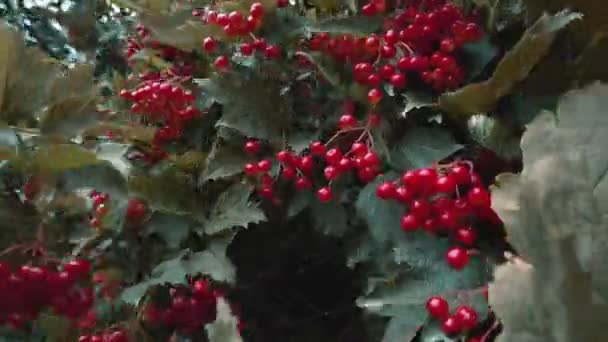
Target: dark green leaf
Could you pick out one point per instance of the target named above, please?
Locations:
(225, 160)
(233, 209)
(329, 218)
(422, 146)
(477, 56)
(173, 229)
(494, 135)
(382, 217)
(358, 24)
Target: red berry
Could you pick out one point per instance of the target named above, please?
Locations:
(260, 44)
(447, 45)
(387, 71)
(374, 96)
(256, 10)
(251, 169)
(282, 3)
(421, 209)
(306, 164)
(449, 219)
(457, 257)
(466, 235)
(403, 194)
(246, 49)
(374, 80)
(386, 190)
(398, 80)
(460, 174)
(117, 336)
(284, 157)
(451, 326)
(272, 52)
(426, 179)
(467, 317)
(317, 148)
(77, 268)
(371, 159)
(333, 156)
(331, 173)
(324, 194)
(303, 184)
(438, 307)
(209, 44)
(266, 192)
(95, 222)
(347, 121)
(373, 120)
(221, 62)
(289, 173)
(345, 164)
(409, 223)
(359, 149)
(367, 174)
(136, 209)
(265, 165)
(430, 225)
(479, 198)
(369, 9)
(445, 184)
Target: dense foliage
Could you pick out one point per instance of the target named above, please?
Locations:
(282, 170)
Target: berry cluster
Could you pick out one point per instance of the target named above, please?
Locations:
(24, 293)
(421, 41)
(445, 201)
(299, 169)
(135, 213)
(234, 24)
(464, 318)
(114, 335)
(191, 308)
(165, 103)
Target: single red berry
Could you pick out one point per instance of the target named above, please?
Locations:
(461, 174)
(96, 338)
(317, 148)
(284, 157)
(374, 80)
(306, 164)
(371, 159)
(272, 52)
(222, 19)
(266, 192)
(77, 268)
(451, 326)
(369, 9)
(265, 165)
(409, 223)
(386, 190)
(359, 149)
(457, 257)
(333, 156)
(479, 197)
(303, 183)
(387, 71)
(84, 338)
(466, 235)
(252, 147)
(324, 194)
(447, 45)
(260, 44)
(251, 169)
(95, 222)
(445, 184)
(221, 62)
(367, 174)
(256, 10)
(347, 121)
(374, 96)
(102, 210)
(246, 49)
(403, 194)
(282, 3)
(421, 209)
(426, 179)
(209, 44)
(430, 225)
(117, 336)
(331, 172)
(467, 317)
(398, 80)
(136, 209)
(289, 173)
(449, 219)
(438, 307)
(345, 164)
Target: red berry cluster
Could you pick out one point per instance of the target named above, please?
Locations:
(235, 24)
(113, 335)
(464, 318)
(165, 103)
(191, 308)
(299, 168)
(420, 41)
(24, 293)
(444, 201)
(135, 213)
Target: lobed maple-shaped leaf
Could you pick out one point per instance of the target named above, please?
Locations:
(225, 326)
(212, 261)
(173, 229)
(422, 146)
(233, 209)
(555, 213)
(226, 159)
(514, 67)
(252, 105)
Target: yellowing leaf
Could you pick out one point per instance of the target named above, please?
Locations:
(514, 67)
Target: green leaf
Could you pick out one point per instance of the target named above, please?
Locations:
(555, 213)
(329, 218)
(477, 56)
(300, 140)
(432, 332)
(173, 229)
(224, 328)
(325, 66)
(495, 136)
(225, 160)
(357, 24)
(422, 146)
(251, 106)
(514, 67)
(165, 188)
(382, 217)
(65, 157)
(233, 209)
(212, 261)
(416, 100)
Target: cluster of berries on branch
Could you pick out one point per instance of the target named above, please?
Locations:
(135, 213)
(464, 317)
(28, 290)
(189, 310)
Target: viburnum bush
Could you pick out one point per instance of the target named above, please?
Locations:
(279, 170)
